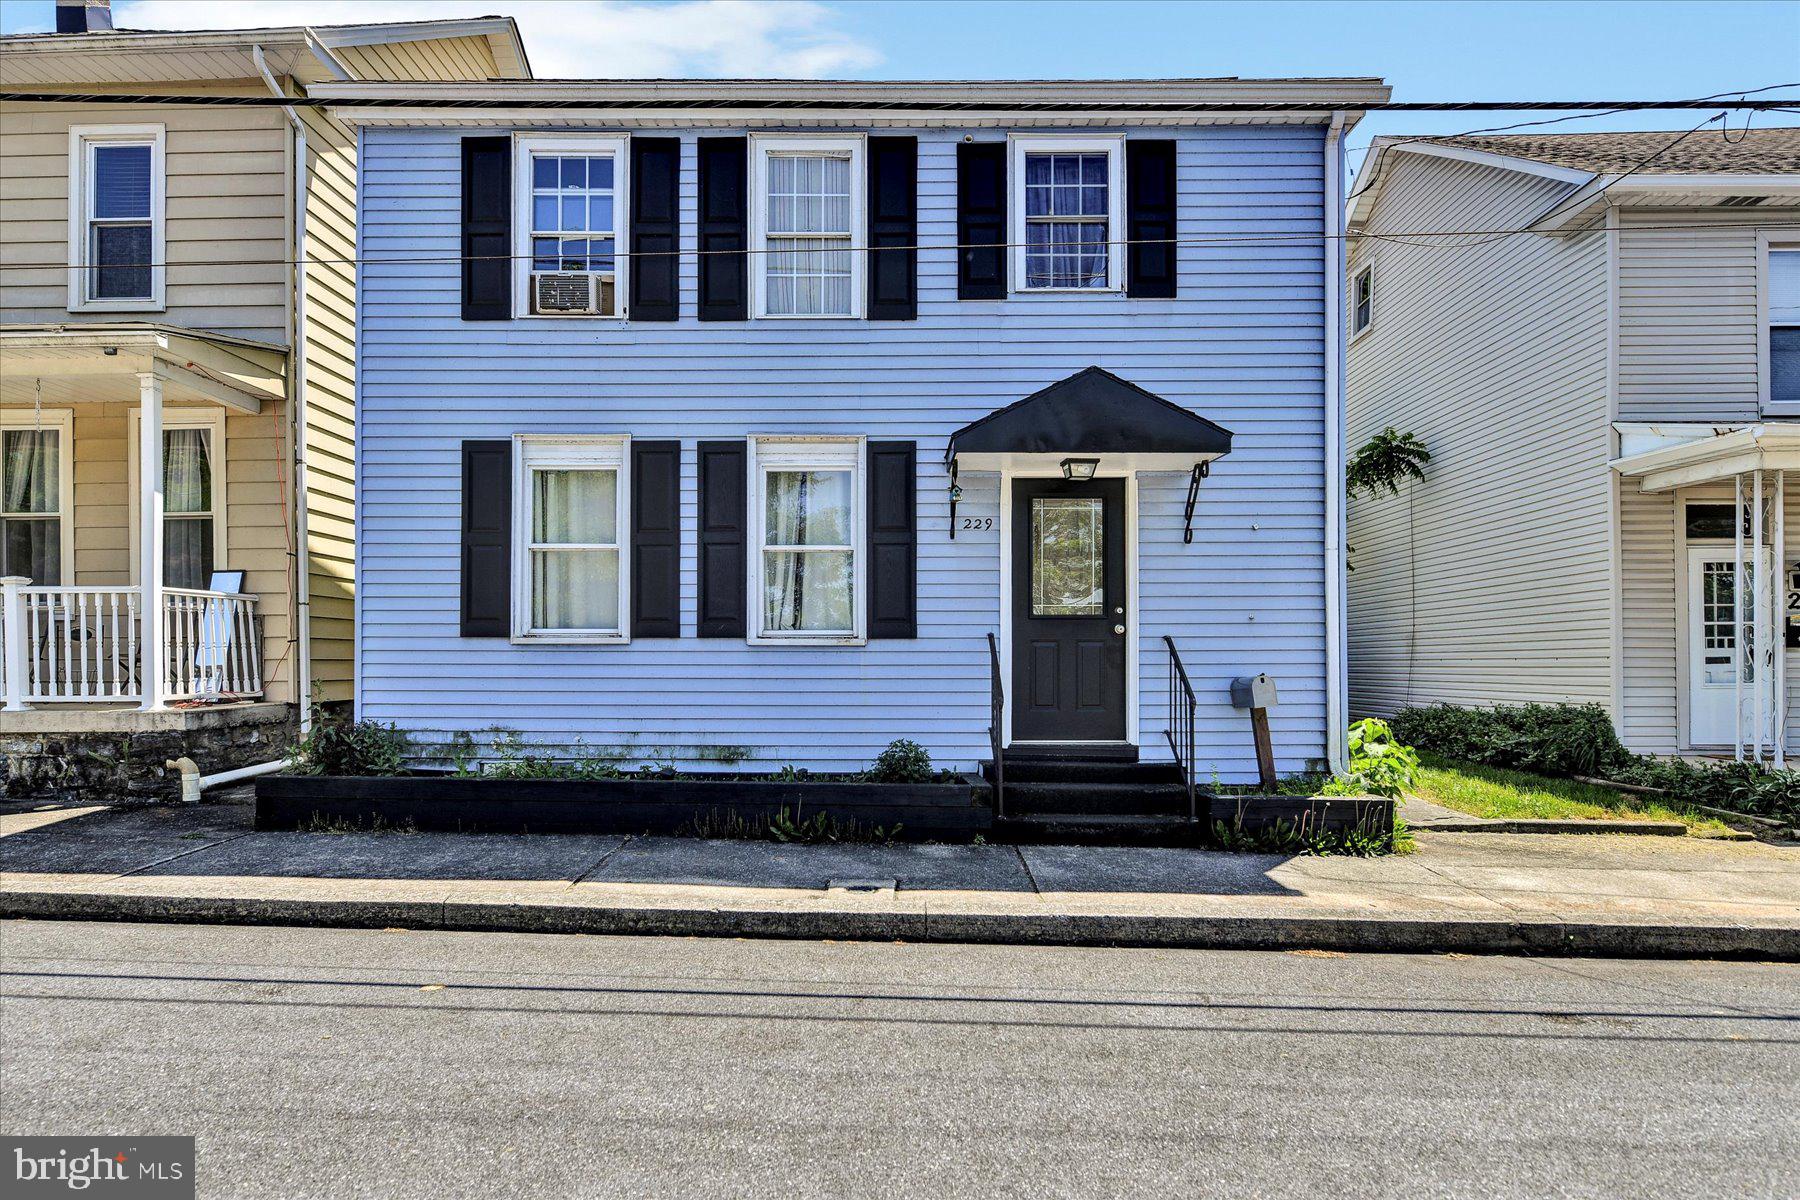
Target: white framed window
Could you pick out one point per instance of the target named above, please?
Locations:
(807, 205)
(806, 567)
(37, 527)
(1362, 300)
(569, 216)
(116, 183)
(193, 465)
(1782, 332)
(571, 561)
(1067, 213)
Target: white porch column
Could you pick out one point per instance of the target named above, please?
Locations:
(1779, 598)
(12, 619)
(150, 540)
(1759, 609)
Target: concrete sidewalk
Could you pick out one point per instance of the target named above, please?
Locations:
(1487, 892)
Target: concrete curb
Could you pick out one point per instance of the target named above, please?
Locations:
(1412, 935)
(1552, 825)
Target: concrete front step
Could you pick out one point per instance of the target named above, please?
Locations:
(1113, 799)
(1069, 770)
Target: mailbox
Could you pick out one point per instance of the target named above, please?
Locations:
(1253, 691)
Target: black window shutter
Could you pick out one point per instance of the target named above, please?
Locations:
(723, 538)
(981, 220)
(487, 229)
(655, 539)
(893, 228)
(487, 539)
(1150, 217)
(724, 228)
(655, 229)
(893, 540)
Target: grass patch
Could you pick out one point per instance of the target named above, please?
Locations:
(1502, 794)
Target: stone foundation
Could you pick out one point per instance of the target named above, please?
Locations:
(114, 755)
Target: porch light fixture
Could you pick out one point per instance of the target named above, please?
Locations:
(1079, 468)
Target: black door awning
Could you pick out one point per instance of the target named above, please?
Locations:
(1092, 412)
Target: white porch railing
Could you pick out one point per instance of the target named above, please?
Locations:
(83, 645)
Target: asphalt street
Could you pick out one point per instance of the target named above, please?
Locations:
(397, 1064)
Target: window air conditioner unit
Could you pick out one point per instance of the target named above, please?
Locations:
(573, 292)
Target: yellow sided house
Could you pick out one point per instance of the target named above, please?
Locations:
(177, 388)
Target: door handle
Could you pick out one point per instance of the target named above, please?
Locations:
(1118, 629)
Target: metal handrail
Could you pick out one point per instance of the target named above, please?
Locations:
(1183, 707)
(996, 715)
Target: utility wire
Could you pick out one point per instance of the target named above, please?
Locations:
(1238, 239)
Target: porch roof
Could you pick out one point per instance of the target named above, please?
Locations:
(1095, 413)
(64, 364)
(1769, 446)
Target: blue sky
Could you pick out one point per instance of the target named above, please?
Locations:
(1427, 51)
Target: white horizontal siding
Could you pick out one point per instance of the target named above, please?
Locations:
(1489, 581)
(1242, 345)
(1689, 319)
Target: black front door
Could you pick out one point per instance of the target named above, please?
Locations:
(1068, 586)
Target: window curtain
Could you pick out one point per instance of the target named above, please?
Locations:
(575, 588)
(807, 590)
(30, 470)
(187, 508)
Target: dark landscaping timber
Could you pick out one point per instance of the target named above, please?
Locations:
(1371, 814)
(923, 811)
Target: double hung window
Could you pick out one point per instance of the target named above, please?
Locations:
(570, 222)
(1784, 326)
(116, 217)
(1067, 213)
(807, 501)
(570, 569)
(34, 498)
(807, 205)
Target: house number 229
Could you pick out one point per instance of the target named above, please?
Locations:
(978, 522)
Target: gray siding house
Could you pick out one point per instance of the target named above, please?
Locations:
(764, 423)
(1598, 338)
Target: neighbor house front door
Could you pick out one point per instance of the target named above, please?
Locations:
(1712, 635)
(1069, 619)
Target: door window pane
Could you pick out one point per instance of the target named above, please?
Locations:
(1719, 628)
(1068, 569)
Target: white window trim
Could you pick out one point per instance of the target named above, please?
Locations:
(81, 139)
(524, 146)
(789, 452)
(62, 420)
(1769, 242)
(1367, 269)
(181, 418)
(1114, 149)
(595, 451)
(761, 147)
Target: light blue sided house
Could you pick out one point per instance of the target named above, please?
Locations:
(748, 424)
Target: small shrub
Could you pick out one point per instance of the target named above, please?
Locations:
(336, 745)
(1379, 764)
(1551, 739)
(903, 761)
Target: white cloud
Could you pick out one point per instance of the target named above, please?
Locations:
(580, 38)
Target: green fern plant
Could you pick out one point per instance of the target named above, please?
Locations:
(1386, 460)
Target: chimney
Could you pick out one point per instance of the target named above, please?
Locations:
(84, 16)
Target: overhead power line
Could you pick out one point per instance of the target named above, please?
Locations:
(1222, 239)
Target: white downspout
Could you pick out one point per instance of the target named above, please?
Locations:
(1336, 669)
(303, 559)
